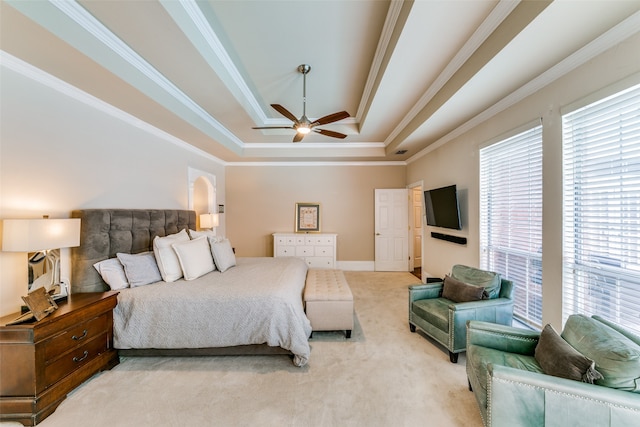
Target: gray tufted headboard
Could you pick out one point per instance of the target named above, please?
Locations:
(104, 232)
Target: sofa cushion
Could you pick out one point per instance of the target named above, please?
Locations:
(489, 280)
(458, 291)
(434, 311)
(479, 357)
(558, 358)
(617, 357)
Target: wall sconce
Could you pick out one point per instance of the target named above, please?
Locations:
(209, 220)
(44, 237)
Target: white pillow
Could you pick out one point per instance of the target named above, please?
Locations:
(195, 257)
(166, 258)
(112, 273)
(140, 269)
(223, 255)
(208, 233)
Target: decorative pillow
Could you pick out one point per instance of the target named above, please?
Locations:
(166, 258)
(223, 254)
(195, 257)
(458, 291)
(616, 356)
(556, 357)
(112, 273)
(140, 269)
(207, 233)
(489, 280)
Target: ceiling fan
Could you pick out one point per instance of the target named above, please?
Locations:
(303, 125)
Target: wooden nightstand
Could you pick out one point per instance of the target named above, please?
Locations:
(40, 362)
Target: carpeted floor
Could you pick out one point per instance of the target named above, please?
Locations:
(384, 376)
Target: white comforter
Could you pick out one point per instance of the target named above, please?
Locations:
(257, 301)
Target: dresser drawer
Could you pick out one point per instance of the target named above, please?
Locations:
(286, 251)
(302, 251)
(323, 251)
(320, 240)
(75, 358)
(75, 336)
(320, 262)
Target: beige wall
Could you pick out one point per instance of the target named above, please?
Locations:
(261, 201)
(457, 163)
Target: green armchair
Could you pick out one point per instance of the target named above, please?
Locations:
(445, 320)
(512, 390)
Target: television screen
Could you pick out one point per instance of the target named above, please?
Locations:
(441, 207)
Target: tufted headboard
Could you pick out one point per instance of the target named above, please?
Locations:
(104, 232)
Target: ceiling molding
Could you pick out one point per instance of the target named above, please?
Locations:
(195, 25)
(28, 71)
(611, 38)
(133, 68)
(308, 164)
(488, 26)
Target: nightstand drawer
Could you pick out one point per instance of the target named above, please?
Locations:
(75, 358)
(75, 336)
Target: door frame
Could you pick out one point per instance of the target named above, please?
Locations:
(410, 187)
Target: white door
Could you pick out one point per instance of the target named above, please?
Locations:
(391, 230)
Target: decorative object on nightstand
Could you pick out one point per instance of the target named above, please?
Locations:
(41, 362)
(42, 238)
(209, 220)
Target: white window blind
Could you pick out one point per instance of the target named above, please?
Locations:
(601, 265)
(511, 218)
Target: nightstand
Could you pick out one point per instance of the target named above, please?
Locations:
(40, 362)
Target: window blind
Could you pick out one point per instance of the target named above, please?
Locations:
(601, 161)
(511, 218)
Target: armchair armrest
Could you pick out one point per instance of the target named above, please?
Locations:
(501, 337)
(481, 304)
(520, 397)
(424, 291)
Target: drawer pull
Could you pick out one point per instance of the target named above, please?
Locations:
(78, 338)
(80, 359)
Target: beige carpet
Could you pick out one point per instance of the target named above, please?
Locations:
(386, 376)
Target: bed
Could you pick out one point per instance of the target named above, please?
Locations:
(254, 307)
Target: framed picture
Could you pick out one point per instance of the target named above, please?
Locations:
(307, 217)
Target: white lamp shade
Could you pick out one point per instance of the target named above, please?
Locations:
(33, 235)
(209, 220)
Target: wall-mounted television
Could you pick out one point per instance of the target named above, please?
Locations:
(441, 207)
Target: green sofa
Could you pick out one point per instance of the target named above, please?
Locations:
(512, 389)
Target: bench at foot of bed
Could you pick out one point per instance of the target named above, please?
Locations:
(328, 301)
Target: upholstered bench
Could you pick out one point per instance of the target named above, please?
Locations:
(328, 301)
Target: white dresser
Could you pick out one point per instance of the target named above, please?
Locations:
(318, 250)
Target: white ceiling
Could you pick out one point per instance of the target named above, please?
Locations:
(412, 75)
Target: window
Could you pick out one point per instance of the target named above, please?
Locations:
(601, 262)
(511, 218)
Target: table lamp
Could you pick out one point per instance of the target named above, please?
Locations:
(209, 220)
(44, 237)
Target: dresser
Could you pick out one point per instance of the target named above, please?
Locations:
(318, 250)
(40, 362)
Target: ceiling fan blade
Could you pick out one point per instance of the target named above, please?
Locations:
(280, 109)
(331, 118)
(274, 127)
(298, 137)
(330, 133)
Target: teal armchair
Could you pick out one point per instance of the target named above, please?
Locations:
(512, 390)
(445, 320)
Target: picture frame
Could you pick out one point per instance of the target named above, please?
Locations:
(307, 217)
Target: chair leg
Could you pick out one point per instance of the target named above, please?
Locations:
(469, 382)
(412, 328)
(453, 357)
